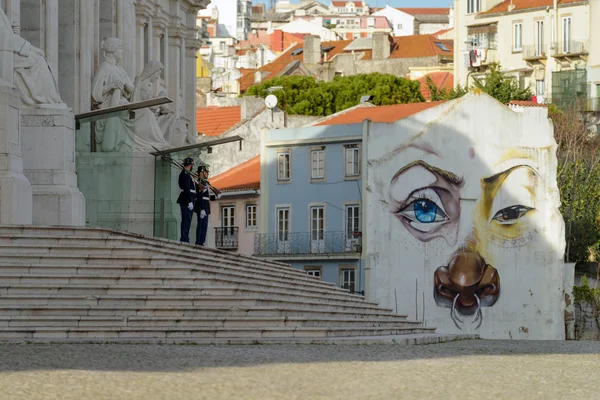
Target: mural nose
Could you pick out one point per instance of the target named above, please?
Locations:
(467, 283)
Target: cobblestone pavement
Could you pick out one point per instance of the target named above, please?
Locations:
(472, 369)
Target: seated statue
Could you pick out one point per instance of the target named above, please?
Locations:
(112, 87)
(174, 129)
(32, 74)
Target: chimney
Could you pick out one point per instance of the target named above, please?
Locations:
(312, 49)
(381, 46)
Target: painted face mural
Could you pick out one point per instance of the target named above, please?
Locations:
(468, 234)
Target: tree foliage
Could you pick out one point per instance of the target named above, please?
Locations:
(302, 95)
(578, 175)
(587, 303)
(495, 83)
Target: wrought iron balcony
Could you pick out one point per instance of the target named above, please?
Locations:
(305, 243)
(569, 48)
(226, 238)
(534, 52)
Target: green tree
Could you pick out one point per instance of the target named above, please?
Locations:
(495, 83)
(303, 95)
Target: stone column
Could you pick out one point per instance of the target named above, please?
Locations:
(174, 85)
(126, 31)
(192, 48)
(144, 51)
(39, 25)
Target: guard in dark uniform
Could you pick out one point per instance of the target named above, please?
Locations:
(202, 205)
(186, 199)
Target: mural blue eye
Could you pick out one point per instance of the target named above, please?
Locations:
(510, 215)
(424, 211)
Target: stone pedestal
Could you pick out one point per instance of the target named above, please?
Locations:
(48, 148)
(15, 190)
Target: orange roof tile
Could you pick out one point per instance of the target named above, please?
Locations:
(388, 114)
(245, 176)
(525, 103)
(525, 4)
(425, 11)
(357, 3)
(443, 80)
(415, 46)
(213, 120)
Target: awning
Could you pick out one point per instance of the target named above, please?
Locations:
(482, 28)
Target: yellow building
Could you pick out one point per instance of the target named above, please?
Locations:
(202, 68)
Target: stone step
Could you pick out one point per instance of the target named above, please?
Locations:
(178, 322)
(213, 332)
(95, 235)
(200, 273)
(146, 286)
(187, 300)
(29, 257)
(324, 312)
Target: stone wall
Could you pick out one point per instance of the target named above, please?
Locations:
(347, 65)
(461, 221)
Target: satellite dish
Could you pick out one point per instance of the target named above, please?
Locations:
(271, 101)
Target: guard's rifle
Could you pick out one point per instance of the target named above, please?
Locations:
(195, 177)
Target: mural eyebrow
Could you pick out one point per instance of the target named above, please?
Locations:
(495, 177)
(449, 176)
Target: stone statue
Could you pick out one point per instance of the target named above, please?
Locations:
(112, 87)
(174, 129)
(33, 75)
(6, 51)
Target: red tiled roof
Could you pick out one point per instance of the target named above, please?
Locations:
(442, 32)
(525, 103)
(213, 120)
(357, 3)
(525, 4)
(443, 80)
(425, 11)
(388, 114)
(245, 176)
(415, 46)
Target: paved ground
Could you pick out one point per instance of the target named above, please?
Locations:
(472, 369)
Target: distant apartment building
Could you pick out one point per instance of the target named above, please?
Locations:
(543, 44)
(233, 17)
(358, 7)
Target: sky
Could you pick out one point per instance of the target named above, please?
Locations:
(395, 3)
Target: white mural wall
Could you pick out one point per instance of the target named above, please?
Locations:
(462, 222)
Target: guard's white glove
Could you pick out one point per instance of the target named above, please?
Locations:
(218, 196)
(202, 214)
(191, 206)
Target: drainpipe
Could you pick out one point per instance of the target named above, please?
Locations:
(556, 25)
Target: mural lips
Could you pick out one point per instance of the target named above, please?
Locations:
(466, 284)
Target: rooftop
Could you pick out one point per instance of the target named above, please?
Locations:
(393, 113)
(214, 120)
(425, 10)
(443, 80)
(245, 176)
(520, 5)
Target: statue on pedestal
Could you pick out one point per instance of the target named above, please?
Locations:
(112, 87)
(32, 74)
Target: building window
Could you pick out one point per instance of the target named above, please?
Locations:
(283, 224)
(227, 216)
(566, 35)
(473, 6)
(251, 215)
(518, 37)
(399, 26)
(352, 161)
(352, 220)
(317, 164)
(313, 271)
(540, 88)
(539, 39)
(317, 222)
(222, 46)
(283, 166)
(348, 279)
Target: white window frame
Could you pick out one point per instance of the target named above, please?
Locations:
(251, 216)
(317, 227)
(473, 6)
(540, 88)
(539, 38)
(566, 34)
(282, 236)
(517, 36)
(227, 216)
(285, 174)
(312, 270)
(317, 164)
(343, 278)
(355, 151)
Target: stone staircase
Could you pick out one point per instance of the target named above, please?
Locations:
(94, 284)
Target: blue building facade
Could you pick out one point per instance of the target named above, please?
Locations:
(311, 202)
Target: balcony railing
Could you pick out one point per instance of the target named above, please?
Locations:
(534, 52)
(569, 48)
(226, 238)
(305, 243)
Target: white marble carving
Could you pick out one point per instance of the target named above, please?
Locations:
(174, 129)
(33, 75)
(112, 87)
